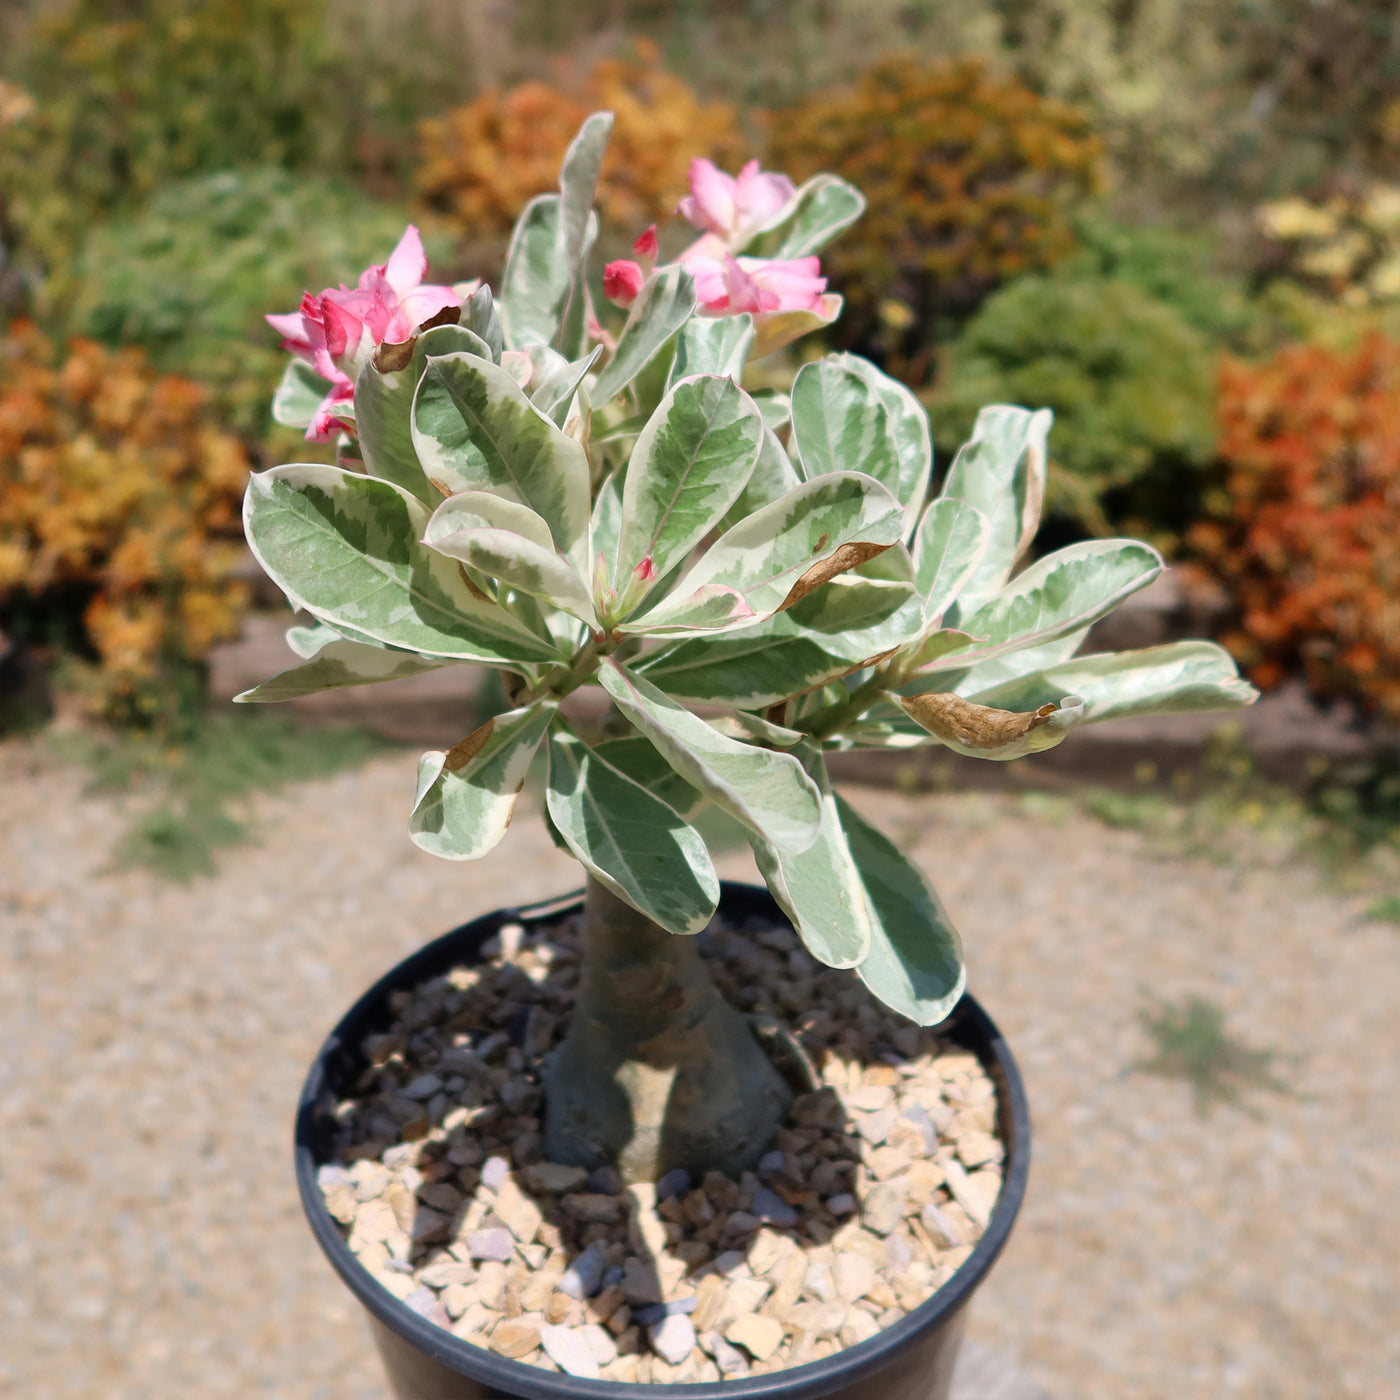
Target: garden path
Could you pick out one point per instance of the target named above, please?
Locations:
(151, 1245)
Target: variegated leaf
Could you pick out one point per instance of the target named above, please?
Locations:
(786, 550)
(520, 563)
(475, 429)
(712, 345)
(840, 424)
(577, 182)
(948, 547)
(915, 963)
(832, 632)
(466, 796)
(536, 278)
(773, 477)
(298, 395)
(768, 792)
(824, 207)
(384, 409)
(638, 759)
(628, 839)
(690, 463)
(820, 890)
(336, 664)
(345, 547)
(909, 428)
(665, 304)
(1178, 678)
(1001, 471)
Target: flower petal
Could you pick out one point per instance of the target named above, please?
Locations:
(408, 263)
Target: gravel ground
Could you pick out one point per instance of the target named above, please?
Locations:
(151, 1243)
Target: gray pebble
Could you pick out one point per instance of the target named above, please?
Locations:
(613, 1277)
(494, 1172)
(843, 1204)
(772, 1162)
(741, 1223)
(604, 1182)
(917, 1114)
(656, 1312)
(584, 1277)
(673, 1183)
(424, 1087)
(770, 1206)
(673, 1339)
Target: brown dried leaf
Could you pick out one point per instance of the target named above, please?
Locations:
(448, 316)
(479, 594)
(389, 359)
(848, 556)
(951, 717)
(461, 754)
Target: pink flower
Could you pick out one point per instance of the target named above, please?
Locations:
(622, 281)
(729, 285)
(339, 329)
(732, 207)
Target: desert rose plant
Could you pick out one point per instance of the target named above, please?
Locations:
(754, 580)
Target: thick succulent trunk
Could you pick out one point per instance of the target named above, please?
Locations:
(658, 1071)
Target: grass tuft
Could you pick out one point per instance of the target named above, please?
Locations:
(1192, 1044)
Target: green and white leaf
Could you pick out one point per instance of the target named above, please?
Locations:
(1009, 665)
(1001, 471)
(909, 426)
(768, 792)
(638, 759)
(474, 429)
(840, 424)
(1178, 678)
(346, 548)
(764, 556)
(830, 633)
(461, 812)
(630, 840)
(664, 305)
(1064, 592)
(951, 540)
(820, 890)
(384, 409)
(521, 563)
(554, 388)
(339, 663)
(712, 345)
(578, 181)
(299, 395)
(307, 641)
(484, 510)
(710, 608)
(774, 477)
(690, 463)
(536, 279)
(915, 963)
(479, 317)
(824, 207)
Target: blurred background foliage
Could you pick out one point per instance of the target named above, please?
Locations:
(1175, 222)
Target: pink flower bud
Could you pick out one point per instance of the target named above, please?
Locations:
(622, 280)
(645, 572)
(646, 248)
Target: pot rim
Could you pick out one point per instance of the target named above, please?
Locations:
(847, 1367)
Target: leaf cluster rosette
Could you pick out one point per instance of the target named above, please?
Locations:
(754, 579)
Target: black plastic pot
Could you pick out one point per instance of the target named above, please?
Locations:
(911, 1360)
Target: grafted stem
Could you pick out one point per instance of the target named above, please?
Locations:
(658, 1070)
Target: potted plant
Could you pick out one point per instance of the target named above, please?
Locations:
(546, 1152)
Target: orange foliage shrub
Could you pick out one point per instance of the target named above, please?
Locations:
(971, 179)
(117, 494)
(1310, 546)
(485, 161)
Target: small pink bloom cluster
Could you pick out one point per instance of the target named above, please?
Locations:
(339, 329)
(730, 210)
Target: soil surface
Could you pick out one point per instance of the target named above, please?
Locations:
(151, 1244)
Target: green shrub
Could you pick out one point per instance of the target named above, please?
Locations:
(127, 97)
(190, 277)
(1129, 379)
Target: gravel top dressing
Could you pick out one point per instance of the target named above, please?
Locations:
(873, 1193)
